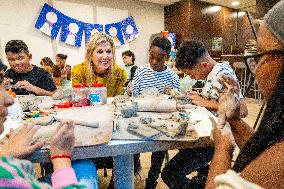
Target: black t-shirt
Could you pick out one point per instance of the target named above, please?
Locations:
(37, 77)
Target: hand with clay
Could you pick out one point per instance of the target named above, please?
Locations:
(229, 102)
(197, 99)
(25, 85)
(19, 144)
(130, 88)
(222, 141)
(63, 139)
(61, 145)
(7, 83)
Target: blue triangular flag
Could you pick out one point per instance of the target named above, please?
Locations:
(49, 21)
(129, 29)
(114, 30)
(72, 31)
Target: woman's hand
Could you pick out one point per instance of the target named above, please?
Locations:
(19, 144)
(222, 140)
(229, 102)
(63, 139)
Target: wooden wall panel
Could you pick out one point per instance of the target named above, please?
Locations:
(263, 6)
(188, 20)
(177, 19)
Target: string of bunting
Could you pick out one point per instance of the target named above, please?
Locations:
(51, 20)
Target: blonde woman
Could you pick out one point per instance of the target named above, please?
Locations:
(99, 66)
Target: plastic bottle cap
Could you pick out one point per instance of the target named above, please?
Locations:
(79, 85)
(98, 85)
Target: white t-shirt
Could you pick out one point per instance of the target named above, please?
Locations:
(209, 90)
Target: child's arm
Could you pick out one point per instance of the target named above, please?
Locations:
(136, 82)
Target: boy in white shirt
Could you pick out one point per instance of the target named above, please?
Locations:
(194, 60)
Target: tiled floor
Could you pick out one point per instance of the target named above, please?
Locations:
(253, 108)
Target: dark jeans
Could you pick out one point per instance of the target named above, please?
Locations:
(157, 160)
(186, 161)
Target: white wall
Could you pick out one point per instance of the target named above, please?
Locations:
(17, 19)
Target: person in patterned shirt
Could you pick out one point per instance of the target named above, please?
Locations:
(100, 67)
(194, 60)
(15, 172)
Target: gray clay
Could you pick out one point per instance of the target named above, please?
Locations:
(129, 111)
(146, 120)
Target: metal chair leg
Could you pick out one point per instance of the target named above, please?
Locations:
(258, 116)
(167, 157)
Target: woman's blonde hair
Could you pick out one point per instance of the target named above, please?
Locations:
(95, 40)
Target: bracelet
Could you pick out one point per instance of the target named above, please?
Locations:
(61, 156)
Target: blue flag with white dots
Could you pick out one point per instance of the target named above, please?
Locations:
(49, 21)
(90, 29)
(114, 30)
(72, 31)
(129, 29)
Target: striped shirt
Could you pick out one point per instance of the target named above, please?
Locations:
(15, 173)
(146, 78)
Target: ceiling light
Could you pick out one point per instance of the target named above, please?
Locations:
(235, 3)
(211, 9)
(238, 14)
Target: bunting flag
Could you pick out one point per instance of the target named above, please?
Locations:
(49, 21)
(129, 29)
(72, 31)
(114, 30)
(90, 29)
